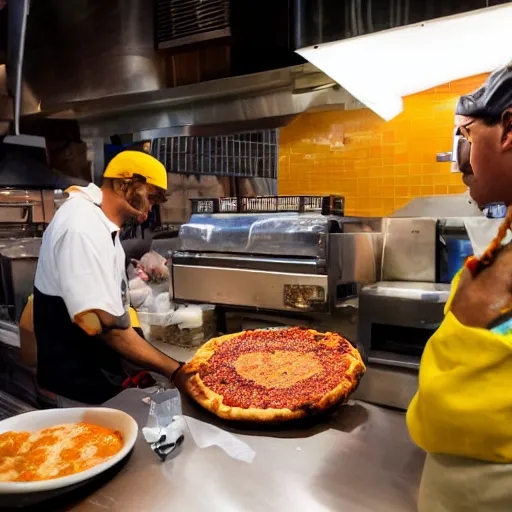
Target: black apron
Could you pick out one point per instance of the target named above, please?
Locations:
(69, 362)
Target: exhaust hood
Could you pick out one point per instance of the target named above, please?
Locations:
(379, 69)
(97, 64)
(263, 100)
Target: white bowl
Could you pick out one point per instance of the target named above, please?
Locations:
(36, 420)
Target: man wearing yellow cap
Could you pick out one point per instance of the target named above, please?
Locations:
(80, 307)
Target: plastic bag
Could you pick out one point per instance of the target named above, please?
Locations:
(165, 426)
(154, 266)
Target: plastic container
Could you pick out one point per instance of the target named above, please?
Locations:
(176, 329)
(459, 250)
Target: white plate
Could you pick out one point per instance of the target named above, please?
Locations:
(36, 420)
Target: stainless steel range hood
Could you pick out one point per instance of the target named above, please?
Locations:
(97, 64)
(263, 100)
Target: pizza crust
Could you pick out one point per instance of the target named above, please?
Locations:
(213, 401)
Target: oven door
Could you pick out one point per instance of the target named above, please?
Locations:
(258, 282)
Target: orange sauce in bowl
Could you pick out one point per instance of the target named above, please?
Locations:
(55, 452)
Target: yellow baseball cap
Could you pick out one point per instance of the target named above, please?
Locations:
(129, 163)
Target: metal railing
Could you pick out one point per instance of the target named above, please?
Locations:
(247, 154)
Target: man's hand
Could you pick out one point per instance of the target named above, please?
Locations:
(136, 349)
(480, 300)
(179, 378)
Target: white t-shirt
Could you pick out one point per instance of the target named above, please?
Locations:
(81, 258)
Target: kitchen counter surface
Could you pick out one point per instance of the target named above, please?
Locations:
(359, 460)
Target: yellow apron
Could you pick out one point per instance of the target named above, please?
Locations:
(463, 406)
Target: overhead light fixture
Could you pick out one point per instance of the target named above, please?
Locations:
(380, 69)
(33, 141)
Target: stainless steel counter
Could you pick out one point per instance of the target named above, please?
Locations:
(359, 460)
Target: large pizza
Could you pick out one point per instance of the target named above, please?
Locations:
(273, 375)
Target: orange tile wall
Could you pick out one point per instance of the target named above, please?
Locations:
(378, 166)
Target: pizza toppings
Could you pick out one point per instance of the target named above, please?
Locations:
(280, 369)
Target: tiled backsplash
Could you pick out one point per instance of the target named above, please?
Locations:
(378, 166)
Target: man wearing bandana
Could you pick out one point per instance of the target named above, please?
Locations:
(462, 413)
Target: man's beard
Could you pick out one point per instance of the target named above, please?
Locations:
(137, 198)
(139, 201)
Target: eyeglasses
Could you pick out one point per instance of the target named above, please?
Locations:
(464, 131)
(462, 148)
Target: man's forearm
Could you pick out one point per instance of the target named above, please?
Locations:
(131, 346)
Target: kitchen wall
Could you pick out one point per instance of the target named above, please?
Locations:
(378, 166)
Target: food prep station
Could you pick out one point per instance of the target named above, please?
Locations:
(376, 281)
(123, 76)
(359, 459)
(380, 282)
(318, 269)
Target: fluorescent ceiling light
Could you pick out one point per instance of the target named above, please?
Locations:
(379, 69)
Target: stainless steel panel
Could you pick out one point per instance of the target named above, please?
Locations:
(456, 205)
(18, 263)
(247, 262)
(342, 320)
(359, 460)
(355, 257)
(399, 306)
(27, 206)
(391, 387)
(28, 203)
(259, 101)
(280, 234)
(402, 310)
(14, 214)
(95, 49)
(165, 246)
(394, 360)
(427, 292)
(239, 287)
(21, 273)
(409, 252)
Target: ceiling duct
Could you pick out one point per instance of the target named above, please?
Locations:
(80, 51)
(183, 22)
